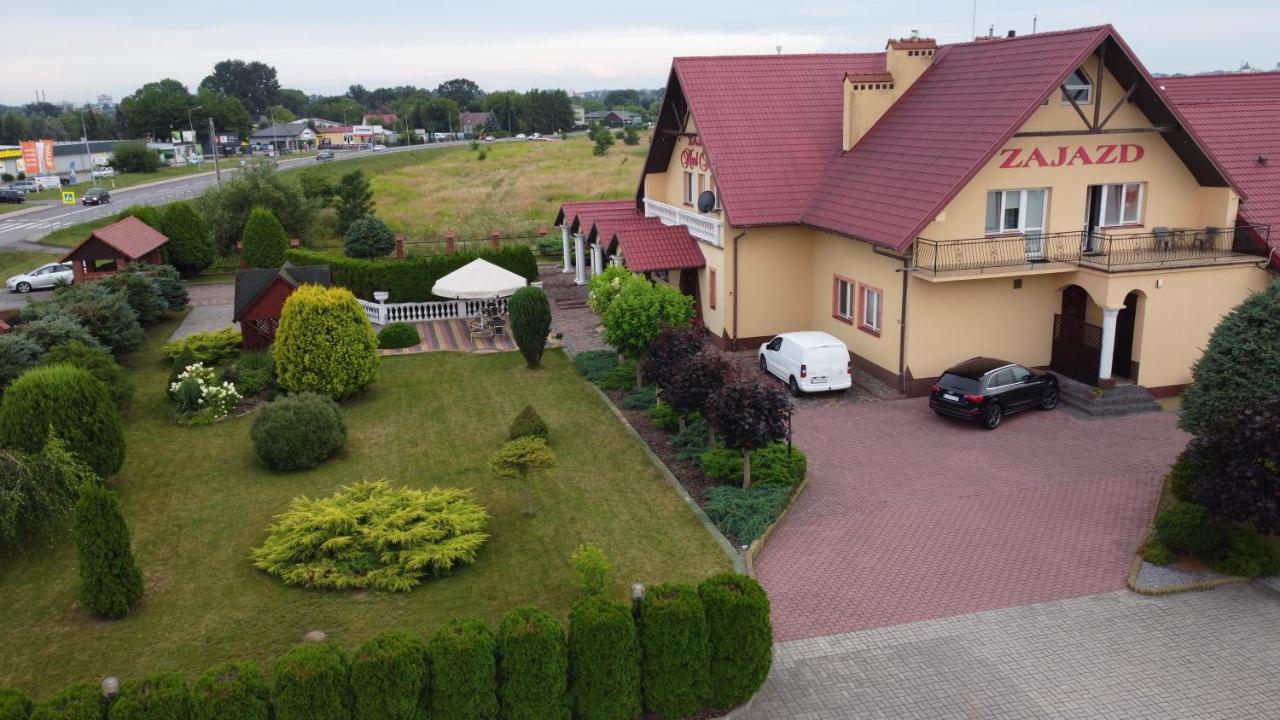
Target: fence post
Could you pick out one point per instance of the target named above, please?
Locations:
(495, 240)
(448, 243)
(399, 247)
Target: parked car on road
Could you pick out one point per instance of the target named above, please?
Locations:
(104, 171)
(96, 196)
(520, 136)
(379, 147)
(26, 186)
(810, 361)
(985, 390)
(8, 195)
(324, 155)
(45, 276)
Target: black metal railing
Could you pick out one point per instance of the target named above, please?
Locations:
(1173, 246)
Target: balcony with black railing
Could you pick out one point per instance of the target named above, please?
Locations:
(1112, 252)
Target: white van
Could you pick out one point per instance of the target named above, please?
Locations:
(809, 361)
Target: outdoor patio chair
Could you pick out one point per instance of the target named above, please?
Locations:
(497, 323)
(1164, 239)
(1205, 239)
(479, 327)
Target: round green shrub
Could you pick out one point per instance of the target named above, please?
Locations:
(604, 661)
(664, 417)
(105, 314)
(674, 650)
(75, 405)
(774, 464)
(14, 705)
(78, 702)
(722, 465)
(231, 690)
(464, 683)
(1184, 474)
(388, 677)
(533, 666)
(18, 353)
(1155, 552)
(98, 363)
(311, 684)
(740, 636)
(161, 696)
(1188, 527)
(253, 374)
(139, 293)
(298, 432)
(325, 344)
(368, 237)
(55, 329)
(527, 424)
(190, 248)
(110, 582)
(398, 335)
(1248, 553)
(264, 240)
(530, 322)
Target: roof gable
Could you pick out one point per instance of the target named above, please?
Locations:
(130, 237)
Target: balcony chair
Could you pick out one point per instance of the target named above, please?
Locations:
(1205, 240)
(1164, 239)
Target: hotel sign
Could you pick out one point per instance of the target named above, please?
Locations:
(1066, 156)
(693, 157)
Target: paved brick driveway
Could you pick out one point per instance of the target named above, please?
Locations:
(908, 516)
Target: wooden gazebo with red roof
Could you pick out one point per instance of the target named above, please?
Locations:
(110, 248)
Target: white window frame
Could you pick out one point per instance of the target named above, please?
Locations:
(1077, 87)
(1022, 212)
(1123, 219)
(844, 298)
(688, 187)
(868, 320)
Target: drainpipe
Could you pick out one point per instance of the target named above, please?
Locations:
(734, 343)
(902, 325)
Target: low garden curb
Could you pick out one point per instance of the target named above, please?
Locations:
(758, 544)
(1206, 584)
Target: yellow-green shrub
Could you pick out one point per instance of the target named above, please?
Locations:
(325, 344)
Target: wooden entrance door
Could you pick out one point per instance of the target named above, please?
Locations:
(689, 286)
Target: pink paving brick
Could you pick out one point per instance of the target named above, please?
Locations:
(909, 516)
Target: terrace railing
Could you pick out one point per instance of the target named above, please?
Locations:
(385, 313)
(705, 227)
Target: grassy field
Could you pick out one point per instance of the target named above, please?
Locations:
(13, 262)
(197, 501)
(516, 189)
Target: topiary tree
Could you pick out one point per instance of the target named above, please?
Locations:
(740, 637)
(325, 344)
(352, 199)
(18, 353)
(161, 696)
(533, 667)
(522, 458)
(98, 363)
(528, 424)
(748, 415)
(55, 328)
(110, 582)
(690, 388)
(639, 312)
(298, 432)
(388, 677)
(603, 288)
(37, 492)
(311, 684)
(604, 661)
(78, 702)
(674, 650)
(190, 248)
(140, 294)
(105, 314)
(670, 351)
(368, 237)
(14, 705)
(591, 567)
(71, 402)
(231, 690)
(1239, 367)
(1237, 465)
(264, 240)
(464, 684)
(530, 323)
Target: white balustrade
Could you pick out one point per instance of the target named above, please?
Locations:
(707, 228)
(385, 313)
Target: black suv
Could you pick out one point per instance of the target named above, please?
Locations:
(12, 196)
(96, 196)
(986, 389)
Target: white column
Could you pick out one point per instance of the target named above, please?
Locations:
(597, 259)
(1108, 341)
(580, 254)
(564, 233)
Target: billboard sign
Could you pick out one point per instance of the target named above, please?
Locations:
(37, 156)
(361, 129)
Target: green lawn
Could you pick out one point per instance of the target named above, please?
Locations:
(123, 180)
(197, 502)
(13, 262)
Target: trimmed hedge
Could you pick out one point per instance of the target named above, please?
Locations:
(78, 702)
(464, 682)
(298, 432)
(388, 677)
(411, 279)
(398, 335)
(740, 632)
(674, 650)
(231, 690)
(162, 696)
(14, 705)
(533, 664)
(527, 424)
(75, 405)
(604, 661)
(311, 684)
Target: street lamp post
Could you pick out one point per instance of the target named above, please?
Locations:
(88, 154)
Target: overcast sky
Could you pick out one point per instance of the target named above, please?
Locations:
(322, 46)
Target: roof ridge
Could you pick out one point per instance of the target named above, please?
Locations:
(872, 53)
(1046, 33)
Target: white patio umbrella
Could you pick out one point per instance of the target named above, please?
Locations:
(478, 280)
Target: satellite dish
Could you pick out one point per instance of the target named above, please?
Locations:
(706, 201)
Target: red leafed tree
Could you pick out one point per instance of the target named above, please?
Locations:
(670, 350)
(748, 415)
(693, 382)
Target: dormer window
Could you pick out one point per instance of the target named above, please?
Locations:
(1077, 87)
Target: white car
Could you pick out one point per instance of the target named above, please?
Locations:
(520, 136)
(45, 276)
(810, 361)
(379, 147)
(104, 171)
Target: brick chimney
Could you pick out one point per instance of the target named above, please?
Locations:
(868, 96)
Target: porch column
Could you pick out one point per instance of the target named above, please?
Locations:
(564, 233)
(580, 256)
(597, 259)
(1108, 341)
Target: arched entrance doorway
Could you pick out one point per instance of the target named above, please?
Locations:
(1122, 364)
(1077, 345)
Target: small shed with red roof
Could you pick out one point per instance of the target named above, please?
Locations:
(108, 249)
(260, 297)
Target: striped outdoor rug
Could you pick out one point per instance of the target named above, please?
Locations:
(454, 335)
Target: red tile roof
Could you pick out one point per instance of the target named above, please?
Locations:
(1238, 117)
(130, 237)
(645, 243)
(913, 44)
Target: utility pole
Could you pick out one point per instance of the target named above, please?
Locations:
(88, 154)
(213, 145)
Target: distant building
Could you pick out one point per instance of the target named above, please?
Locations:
(474, 122)
(380, 119)
(286, 137)
(614, 118)
(579, 116)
